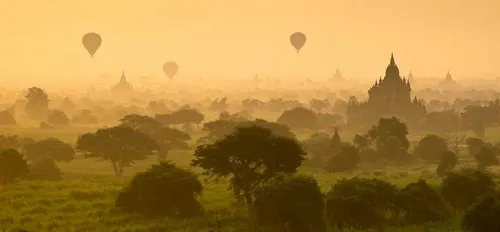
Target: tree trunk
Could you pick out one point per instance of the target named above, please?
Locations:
(248, 200)
(115, 168)
(162, 155)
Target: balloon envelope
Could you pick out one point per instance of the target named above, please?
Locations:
(298, 39)
(91, 41)
(170, 69)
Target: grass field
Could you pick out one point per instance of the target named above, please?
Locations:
(84, 199)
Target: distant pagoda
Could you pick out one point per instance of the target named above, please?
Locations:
(448, 82)
(390, 96)
(123, 86)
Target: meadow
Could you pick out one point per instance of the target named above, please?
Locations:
(84, 199)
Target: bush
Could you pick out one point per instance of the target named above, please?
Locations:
(290, 201)
(485, 157)
(361, 202)
(447, 163)
(483, 216)
(12, 166)
(58, 118)
(463, 188)
(49, 148)
(430, 148)
(6, 119)
(163, 189)
(422, 203)
(45, 169)
(345, 160)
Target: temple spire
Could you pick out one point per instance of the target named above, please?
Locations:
(392, 59)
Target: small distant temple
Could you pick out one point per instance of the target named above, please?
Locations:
(389, 96)
(122, 87)
(411, 79)
(448, 82)
(337, 76)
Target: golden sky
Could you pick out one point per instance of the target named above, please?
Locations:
(41, 40)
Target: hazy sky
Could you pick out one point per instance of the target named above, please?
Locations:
(237, 38)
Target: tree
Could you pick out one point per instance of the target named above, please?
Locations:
(474, 145)
(58, 118)
(346, 159)
(298, 118)
(361, 142)
(45, 169)
(443, 122)
(447, 163)
(422, 203)
(119, 145)
(84, 117)
(37, 106)
(182, 116)
(163, 189)
(12, 166)
(478, 128)
(49, 148)
(7, 119)
(290, 203)
(387, 127)
(464, 187)
(483, 216)
(430, 148)
(167, 138)
(317, 145)
(249, 156)
(319, 105)
(485, 157)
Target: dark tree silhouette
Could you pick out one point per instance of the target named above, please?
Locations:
(49, 148)
(182, 116)
(298, 118)
(119, 145)
(7, 119)
(12, 166)
(37, 106)
(431, 147)
(387, 127)
(346, 159)
(58, 118)
(249, 156)
(447, 163)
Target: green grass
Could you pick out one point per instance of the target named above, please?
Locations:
(84, 199)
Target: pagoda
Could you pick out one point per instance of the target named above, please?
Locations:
(123, 86)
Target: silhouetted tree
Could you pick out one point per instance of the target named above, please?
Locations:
(49, 148)
(37, 106)
(182, 116)
(447, 162)
(119, 145)
(361, 142)
(163, 189)
(430, 148)
(290, 203)
(249, 156)
(58, 118)
(485, 157)
(483, 216)
(389, 127)
(346, 159)
(12, 166)
(443, 122)
(45, 169)
(7, 119)
(298, 118)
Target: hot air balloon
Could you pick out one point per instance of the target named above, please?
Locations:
(170, 69)
(298, 39)
(91, 41)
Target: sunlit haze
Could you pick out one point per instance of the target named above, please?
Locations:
(41, 40)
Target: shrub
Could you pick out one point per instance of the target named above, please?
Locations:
(163, 189)
(45, 169)
(485, 157)
(422, 203)
(12, 166)
(290, 201)
(361, 202)
(345, 160)
(483, 216)
(49, 148)
(447, 163)
(464, 187)
(58, 118)
(430, 148)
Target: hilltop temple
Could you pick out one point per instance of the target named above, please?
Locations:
(389, 96)
(123, 86)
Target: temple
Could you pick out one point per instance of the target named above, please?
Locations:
(448, 83)
(123, 87)
(389, 96)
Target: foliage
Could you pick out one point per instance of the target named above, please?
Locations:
(182, 116)
(485, 157)
(163, 189)
(483, 216)
(431, 147)
(466, 186)
(290, 202)
(49, 148)
(319, 105)
(361, 202)
(447, 163)
(298, 118)
(12, 166)
(119, 145)
(249, 156)
(346, 159)
(45, 169)
(84, 117)
(442, 122)
(317, 145)
(391, 149)
(38, 103)
(58, 118)
(361, 142)
(389, 127)
(7, 119)
(422, 203)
